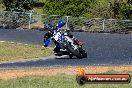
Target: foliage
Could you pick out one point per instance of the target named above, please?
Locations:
(90, 8)
(21, 5)
(122, 9)
(17, 5)
(67, 7)
(119, 9)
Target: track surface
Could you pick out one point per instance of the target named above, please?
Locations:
(101, 48)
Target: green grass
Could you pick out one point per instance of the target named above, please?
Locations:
(59, 81)
(14, 51)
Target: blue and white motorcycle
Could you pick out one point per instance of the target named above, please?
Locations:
(68, 45)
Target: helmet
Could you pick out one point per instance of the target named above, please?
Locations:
(49, 25)
(61, 24)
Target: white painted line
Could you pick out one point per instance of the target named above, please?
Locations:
(19, 43)
(12, 42)
(25, 44)
(2, 41)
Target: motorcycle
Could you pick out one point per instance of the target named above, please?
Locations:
(71, 46)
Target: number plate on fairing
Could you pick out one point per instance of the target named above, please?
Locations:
(58, 37)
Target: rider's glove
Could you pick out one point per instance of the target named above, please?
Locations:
(46, 43)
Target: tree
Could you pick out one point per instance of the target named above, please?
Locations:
(122, 9)
(21, 5)
(66, 7)
(17, 5)
(129, 2)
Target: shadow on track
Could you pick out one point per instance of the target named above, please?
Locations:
(66, 57)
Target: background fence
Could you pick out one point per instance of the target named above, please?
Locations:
(21, 20)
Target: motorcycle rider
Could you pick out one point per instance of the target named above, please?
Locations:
(52, 29)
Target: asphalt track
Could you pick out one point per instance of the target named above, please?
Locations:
(102, 49)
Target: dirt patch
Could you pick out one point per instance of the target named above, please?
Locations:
(10, 74)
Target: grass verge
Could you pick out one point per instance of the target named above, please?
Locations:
(16, 51)
(58, 81)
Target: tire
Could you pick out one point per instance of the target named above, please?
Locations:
(74, 52)
(70, 55)
(83, 53)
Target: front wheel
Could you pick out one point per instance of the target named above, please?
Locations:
(83, 53)
(74, 52)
